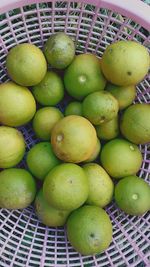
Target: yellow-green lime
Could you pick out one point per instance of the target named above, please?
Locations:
(41, 159)
(26, 64)
(135, 123)
(95, 152)
(84, 76)
(132, 195)
(12, 147)
(66, 187)
(108, 130)
(44, 121)
(121, 158)
(89, 230)
(47, 214)
(50, 91)
(17, 190)
(101, 187)
(17, 104)
(74, 108)
(100, 107)
(59, 50)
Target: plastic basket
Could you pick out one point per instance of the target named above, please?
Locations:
(24, 240)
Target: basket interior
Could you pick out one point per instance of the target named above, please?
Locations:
(24, 240)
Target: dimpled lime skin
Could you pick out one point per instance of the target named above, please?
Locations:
(12, 147)
(59, 50)
(17, 190)
(26, 64)
(132, 195)
(74, 108)
(41, 159)
(84, 76)
(50, 91)
(47, 214)
(108, 130)
(89, 230)
(66, 187)
(121, 158)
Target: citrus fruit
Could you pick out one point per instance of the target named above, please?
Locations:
(135, 123)
(101, 186)
(125, 63)
(59, 50)
(66, 187)
(100, 107)
(47, 214)
(12, 147)
(17, 104)
(95, 152)
(108, 130)
(89, 230)
(124, 94)
(73, 108)
(132, 195)
(44, 120)
(50, 90)
(17, 189)
(26, 64)
(121, 158)
(41, 159)
(73, 139)
(84, 76)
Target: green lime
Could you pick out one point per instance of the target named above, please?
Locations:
(59, 50)
(73, 139)
(44, 121)
(108, 130)
(12, 147)
(73, 108)
(101, 186)
(84, 76)
(100, 107)
(26, 64)
(89, 230)
(95, 152)
(47, 214)
(17, 104)
(50, 91)
(41, 159)
(135, 123)
(132, 195)
(66, 187)
(17, 189)
(121, 158)
(124, 94)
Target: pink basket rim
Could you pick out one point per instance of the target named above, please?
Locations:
(134, 9)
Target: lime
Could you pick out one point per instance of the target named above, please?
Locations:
(73, 139)
(132, 195)
(59, 50)
(12, 147)
(124, 94)
(17, 189)
(89, 230)
(84, 76)
(50, 90)
(121, 158)
(26, 64)
(66, 187)
(47, 214)
(135, 123)
(108, 130)
(100, 107)
(17, 104)
(125, 63)
(95, 153)
(101, 186)
(41, 159)
(73, 108)
(44, 121)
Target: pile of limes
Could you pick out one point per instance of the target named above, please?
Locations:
(83, 150)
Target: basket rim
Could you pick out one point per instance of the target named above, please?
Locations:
(135, 9)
